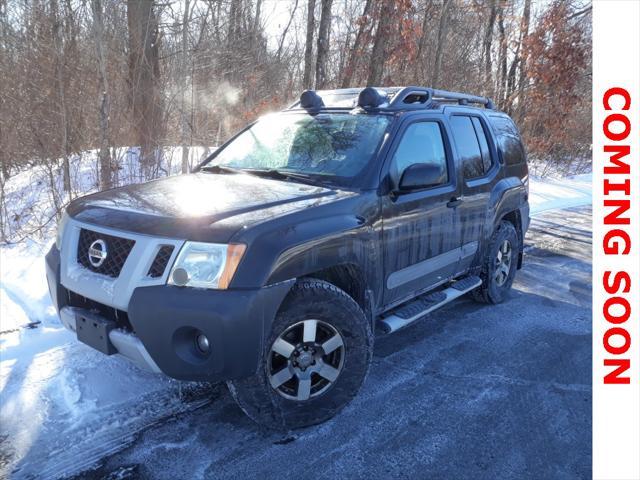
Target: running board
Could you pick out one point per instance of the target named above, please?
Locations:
(419, 307)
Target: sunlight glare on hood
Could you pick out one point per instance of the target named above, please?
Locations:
(194, 197)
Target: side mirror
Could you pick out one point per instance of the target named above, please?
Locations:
(421, 175)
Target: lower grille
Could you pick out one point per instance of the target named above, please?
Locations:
(119, 316)
(116, 252)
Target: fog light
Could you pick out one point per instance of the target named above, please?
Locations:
(180, 277)
(202, 342)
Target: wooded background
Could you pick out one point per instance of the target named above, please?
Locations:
(77, 75)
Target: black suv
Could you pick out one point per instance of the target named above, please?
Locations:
(272, 265)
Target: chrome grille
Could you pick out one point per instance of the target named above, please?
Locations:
(118, 249)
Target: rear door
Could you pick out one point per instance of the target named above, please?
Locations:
(421, 234)
(479, 170)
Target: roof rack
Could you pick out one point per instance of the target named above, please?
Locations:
(385, 98)
(422, 96)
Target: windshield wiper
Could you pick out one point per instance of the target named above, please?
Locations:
(284, 175)
(220, 169)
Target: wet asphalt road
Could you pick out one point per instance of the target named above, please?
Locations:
(472, 392)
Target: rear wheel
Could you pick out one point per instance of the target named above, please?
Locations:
(314, 362)
(499, 265)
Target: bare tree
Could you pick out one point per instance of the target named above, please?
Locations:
(488, 40)
(286, 30)
(60, 86)
(144, 70)
(356, 51)
(419, 63)
(104, 154)
(323, 44)
(524, 29)
(502, 57)
(442, 34)
(307, 80)
(183, 87)
(380, 45)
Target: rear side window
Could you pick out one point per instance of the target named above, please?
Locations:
(421, 143)
(464, 134)
(509, 140)
(484, 145)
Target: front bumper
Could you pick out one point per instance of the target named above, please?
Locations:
(165, 320)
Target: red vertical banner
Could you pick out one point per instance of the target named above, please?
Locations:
(616, 242)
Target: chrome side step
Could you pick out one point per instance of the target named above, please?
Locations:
(424, 304)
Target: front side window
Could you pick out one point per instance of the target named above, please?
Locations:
(328, 144)
(421, 143)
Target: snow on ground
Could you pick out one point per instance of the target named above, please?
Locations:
(64, 405)
(553, 193)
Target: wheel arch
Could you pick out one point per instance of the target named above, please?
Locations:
(350, 278)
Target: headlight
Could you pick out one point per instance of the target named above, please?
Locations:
(206, 265)
(61, 224)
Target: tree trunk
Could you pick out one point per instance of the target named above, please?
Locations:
(255, 34)
(420, 63)
(511, 84)
(286, 30)
(442, 35)
(144, 72)
(233, 22)
(502, 59)
(60, 86)
(307, 78)
(356, 51)
(323, 44)
(106, 180)
(183, 88)
(488, 40)
(380, 45)
(523, 61)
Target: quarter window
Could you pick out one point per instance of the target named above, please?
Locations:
(508, 140)
(421, 143)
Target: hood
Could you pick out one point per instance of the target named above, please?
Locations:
(188, 206)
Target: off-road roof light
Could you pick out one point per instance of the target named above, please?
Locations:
(310, 100)
(370, 98)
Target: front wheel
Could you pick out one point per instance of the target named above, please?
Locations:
(314, 362)
(499, 265)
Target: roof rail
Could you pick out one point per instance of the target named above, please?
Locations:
(424, 95)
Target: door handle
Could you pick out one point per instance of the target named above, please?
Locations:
(454, 202)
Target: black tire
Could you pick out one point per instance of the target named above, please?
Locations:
(494, 290)
(309, 299)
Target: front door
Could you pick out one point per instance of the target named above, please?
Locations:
(421, 232)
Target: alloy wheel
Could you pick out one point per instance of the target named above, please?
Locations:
(306, 360)
(503, 263)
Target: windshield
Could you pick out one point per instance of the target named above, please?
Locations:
(327, 144)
